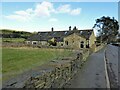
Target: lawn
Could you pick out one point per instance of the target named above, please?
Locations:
(18, 60)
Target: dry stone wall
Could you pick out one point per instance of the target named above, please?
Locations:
(54, 74)
(99, 47)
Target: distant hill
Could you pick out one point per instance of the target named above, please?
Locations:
(7, 33)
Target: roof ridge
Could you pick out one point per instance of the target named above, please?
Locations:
(66, 30)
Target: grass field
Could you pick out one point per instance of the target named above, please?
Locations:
(18, 60)
(13, 40)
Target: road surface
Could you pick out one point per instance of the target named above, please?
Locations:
(92, 74)
(112, 64)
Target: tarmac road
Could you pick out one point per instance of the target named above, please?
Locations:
(92, 75)
(112, 64)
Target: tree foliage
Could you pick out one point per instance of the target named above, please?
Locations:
(51, 43)
(7, 33)
(107, 28)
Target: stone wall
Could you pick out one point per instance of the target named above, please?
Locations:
(92, 39)
(74, 41)
(96, 47)
(99, 47)
(86, 53)
(54, 74)
(11, 44)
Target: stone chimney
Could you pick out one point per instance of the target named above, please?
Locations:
(74, 28)
(69, 28)
(52, 29)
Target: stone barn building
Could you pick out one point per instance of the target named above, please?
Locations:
(75, 38)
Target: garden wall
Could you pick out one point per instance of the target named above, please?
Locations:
(54, 74)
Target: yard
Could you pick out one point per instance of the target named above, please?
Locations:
(19, 60)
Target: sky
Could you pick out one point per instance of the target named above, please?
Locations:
(41, 16)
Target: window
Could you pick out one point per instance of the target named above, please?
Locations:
(61, 44)
(87, 46)
(66, 42)
(34, 43)
(82, 44)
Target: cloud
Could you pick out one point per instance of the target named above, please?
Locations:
(25, 13)
(67, 9)
(21, 15)
(53, 20)
(63, 9)
(16, 17)
(75, 11)
(43, 9)
(30, 10)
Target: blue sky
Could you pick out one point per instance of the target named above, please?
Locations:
(41, 16)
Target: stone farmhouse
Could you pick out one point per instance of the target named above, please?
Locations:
(75, 38)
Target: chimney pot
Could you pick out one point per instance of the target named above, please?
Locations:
(69, 28)
(52, 29)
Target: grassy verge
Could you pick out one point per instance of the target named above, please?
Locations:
(18, 60)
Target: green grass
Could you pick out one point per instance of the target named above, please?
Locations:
(13, 39)
(18, 60)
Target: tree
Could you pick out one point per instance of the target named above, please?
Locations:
(107, 28)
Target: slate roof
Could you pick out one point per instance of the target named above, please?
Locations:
(83, 33)
(59, 35)
(34, 38)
